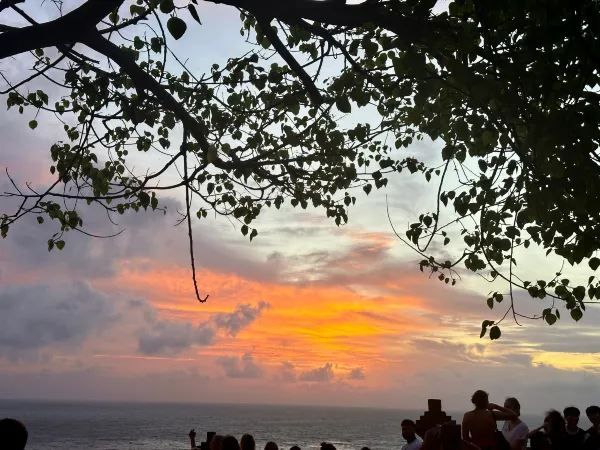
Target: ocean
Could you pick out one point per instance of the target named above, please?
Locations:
(128, 426)
(124, 426)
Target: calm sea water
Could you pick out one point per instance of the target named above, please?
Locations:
(124, 426)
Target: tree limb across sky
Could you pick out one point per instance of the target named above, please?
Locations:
(324, 104)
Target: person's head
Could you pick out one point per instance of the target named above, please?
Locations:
(554, 422)
(571, 414)
(513, 404)
(593, 413)
(327, 446)
(13, 434)
(294, 447)
(271, 446)
(216, 442)
(365, 448)
(230, 443)
(247, 442)
(480, 399)
(408, 429)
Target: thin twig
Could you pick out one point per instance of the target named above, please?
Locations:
(189, 220)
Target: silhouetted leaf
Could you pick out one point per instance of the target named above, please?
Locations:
(343, 104)
(194, 13)
(176, 27)
(495, 333)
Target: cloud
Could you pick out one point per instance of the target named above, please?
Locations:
(35, 316)
(240, 367)
(447, 350)
(174, 336)
(357, 373)
(287, 372)
(244, 315)
(322, 374)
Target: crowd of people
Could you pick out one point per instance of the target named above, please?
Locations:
(479, 431)
(218, 442)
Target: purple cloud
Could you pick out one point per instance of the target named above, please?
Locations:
(322, 374)
(240, 367)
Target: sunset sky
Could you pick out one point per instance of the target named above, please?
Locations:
(307, 313)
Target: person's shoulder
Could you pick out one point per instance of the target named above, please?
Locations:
(415, 445)
(433, 431)
(522, 430)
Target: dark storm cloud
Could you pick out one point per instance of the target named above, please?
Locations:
(36, 316)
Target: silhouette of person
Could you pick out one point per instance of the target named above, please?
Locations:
(515, 431)
(271, 446)
(247, 442)
(479, 426)
(574, 436)
(409, 433)
(294, 447)
(192, 436)
(216, 442)
(13, 434)
(551, 435)
(592, 435)
(327, 446)
(230, 443)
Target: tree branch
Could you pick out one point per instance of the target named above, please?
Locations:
(4, 4)
(313, 92)
(68, 29)
(145, 81)
(339, 13)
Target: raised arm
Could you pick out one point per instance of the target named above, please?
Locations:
(192, 435)
(502, 413)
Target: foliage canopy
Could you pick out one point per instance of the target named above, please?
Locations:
(326, 99)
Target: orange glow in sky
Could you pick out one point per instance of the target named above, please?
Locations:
(308, 325)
